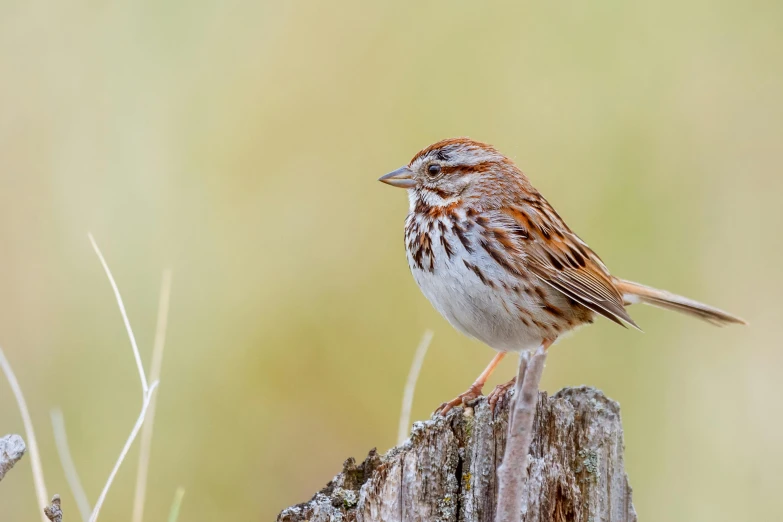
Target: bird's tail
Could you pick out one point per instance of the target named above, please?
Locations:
(637, 293)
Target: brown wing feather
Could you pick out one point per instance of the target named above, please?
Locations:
(561, 259)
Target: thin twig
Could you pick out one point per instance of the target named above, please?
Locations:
(144, 386)
(99, 503)
(410, 386)
(513, 472)
(176, 504)
(146, 432)
(524, 360)
(69, 468)
(35, 455)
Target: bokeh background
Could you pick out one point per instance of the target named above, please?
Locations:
(238, 143)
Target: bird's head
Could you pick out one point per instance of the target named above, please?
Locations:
(452, 171)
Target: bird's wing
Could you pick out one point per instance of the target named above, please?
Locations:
(548, 249)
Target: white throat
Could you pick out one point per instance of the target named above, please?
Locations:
(429, 198)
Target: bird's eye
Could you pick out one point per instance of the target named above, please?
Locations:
(433, 170)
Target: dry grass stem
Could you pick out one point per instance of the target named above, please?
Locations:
(53, 512)
(146, 432)
(124, 452)
(147, 390)
(69, 468)
(176, 504)
(35, 455)
(142, 376)
(410, 386)
(513, 471)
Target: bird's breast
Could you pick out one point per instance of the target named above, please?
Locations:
(476, 294)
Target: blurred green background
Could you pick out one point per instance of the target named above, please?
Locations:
(239, 143)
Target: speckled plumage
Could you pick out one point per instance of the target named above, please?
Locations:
(498, 262)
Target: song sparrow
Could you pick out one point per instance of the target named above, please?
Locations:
(496, 260)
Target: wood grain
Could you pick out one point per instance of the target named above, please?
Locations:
(446, 471)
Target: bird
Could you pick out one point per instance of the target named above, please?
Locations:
(500, 264)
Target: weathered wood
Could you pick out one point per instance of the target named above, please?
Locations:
(512, 472)
(12, 449)
(446, 471)
(53, 511)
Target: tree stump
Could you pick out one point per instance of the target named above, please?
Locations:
(446, 470)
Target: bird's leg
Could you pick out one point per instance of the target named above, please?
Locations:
(474, 391)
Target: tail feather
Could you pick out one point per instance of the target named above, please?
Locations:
(637, 293)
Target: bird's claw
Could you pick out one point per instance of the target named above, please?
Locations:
(499, 393)
(468, 398)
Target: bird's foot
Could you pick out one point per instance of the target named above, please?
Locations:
(466, 398)
(499, 393)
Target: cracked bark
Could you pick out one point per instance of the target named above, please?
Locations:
(446, 471)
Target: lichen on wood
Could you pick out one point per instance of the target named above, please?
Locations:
(12, 449)
(53, 511)
(446, 470)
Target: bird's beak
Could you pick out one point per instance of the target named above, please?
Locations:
(402, 177)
